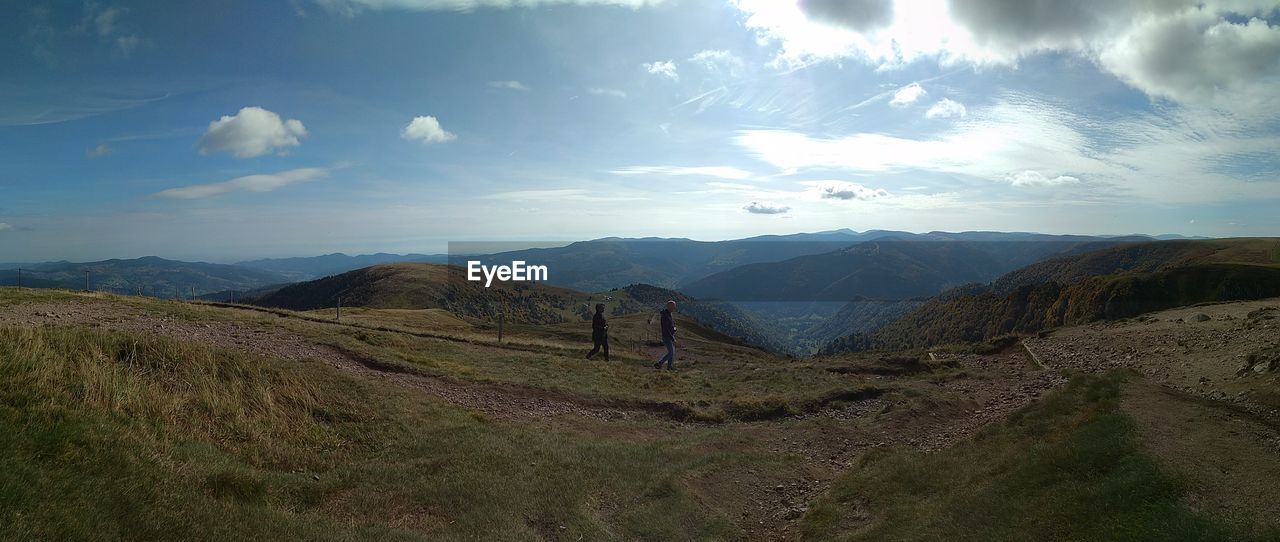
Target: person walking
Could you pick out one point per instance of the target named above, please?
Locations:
(599, 333)
(668, 337)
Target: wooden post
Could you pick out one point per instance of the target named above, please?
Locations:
(193, 293)
(500, 319)
(19, 277)
(339, 318)
(86, 280)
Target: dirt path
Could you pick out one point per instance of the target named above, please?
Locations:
(1227, 457)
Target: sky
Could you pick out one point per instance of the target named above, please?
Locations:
(231, 130)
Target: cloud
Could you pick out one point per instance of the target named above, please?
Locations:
(5, 227)
(859, 15)
(251, 183)
(253, 131)
(599, 91)
(427, 130)
(1185, 50)
(907, 95)
(718, 60)
(850, 191)
(723, 172)
(1192, 55)
(352, 7)
(765, 208)
(664, 68)
(509, 85)
(1035, 178)
(946, 109)
(98, 152)
(107, 24)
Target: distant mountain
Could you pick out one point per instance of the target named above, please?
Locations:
(1111, 283)
(150, 275)
(307, 268)
(890, 268)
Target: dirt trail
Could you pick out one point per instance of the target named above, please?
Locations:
(1226, 352)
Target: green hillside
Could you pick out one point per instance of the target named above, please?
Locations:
(1108, 284)
(431, 286)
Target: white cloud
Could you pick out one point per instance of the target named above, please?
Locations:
(849, 191)
(600, 91)
(509, 85)
(253, 131)
(427, 130)
(663, 68)
(250, 183)
(352, 7)
(765, 208)
(109, 26)
(1194, 54)
(723, 172)
(718, 60)
(1035, 178)
(907, 95)
(946, 108)
(5, 227)
(98, 152)
(1186, 50)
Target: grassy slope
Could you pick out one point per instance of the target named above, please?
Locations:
(1107, 284)
(1070, 468)
(113, 435)
(119, 436)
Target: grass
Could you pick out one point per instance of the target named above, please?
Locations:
(1068, 468)
(110, 435)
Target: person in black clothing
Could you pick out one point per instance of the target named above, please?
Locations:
(668, 337)
(599, 333)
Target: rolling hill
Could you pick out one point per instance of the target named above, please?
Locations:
(307, 268)
(1112, 283)
(890, 269)
(153, 276)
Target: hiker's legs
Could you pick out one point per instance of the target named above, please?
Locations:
(598, 340)
(595, 349)
(670, 358)
(604, 341)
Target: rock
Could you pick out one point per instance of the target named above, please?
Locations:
(1200, 317)
(1261, 368)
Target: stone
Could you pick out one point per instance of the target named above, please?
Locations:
(1200, 317)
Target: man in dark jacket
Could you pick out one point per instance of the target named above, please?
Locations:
(599, 333)
(668, 337)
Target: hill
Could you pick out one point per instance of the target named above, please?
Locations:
(1112, 283)
(431, 286)
(256, 424)
(307, 268)
(889, 269)
(153, 276)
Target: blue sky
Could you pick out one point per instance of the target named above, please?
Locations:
(229, 130)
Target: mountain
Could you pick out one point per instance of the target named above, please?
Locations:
(1112, 283)
(307, 268)
(891, 268)
(429, 286)
(604, 264)
(150, 275)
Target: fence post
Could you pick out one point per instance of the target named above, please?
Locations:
(500, 321)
